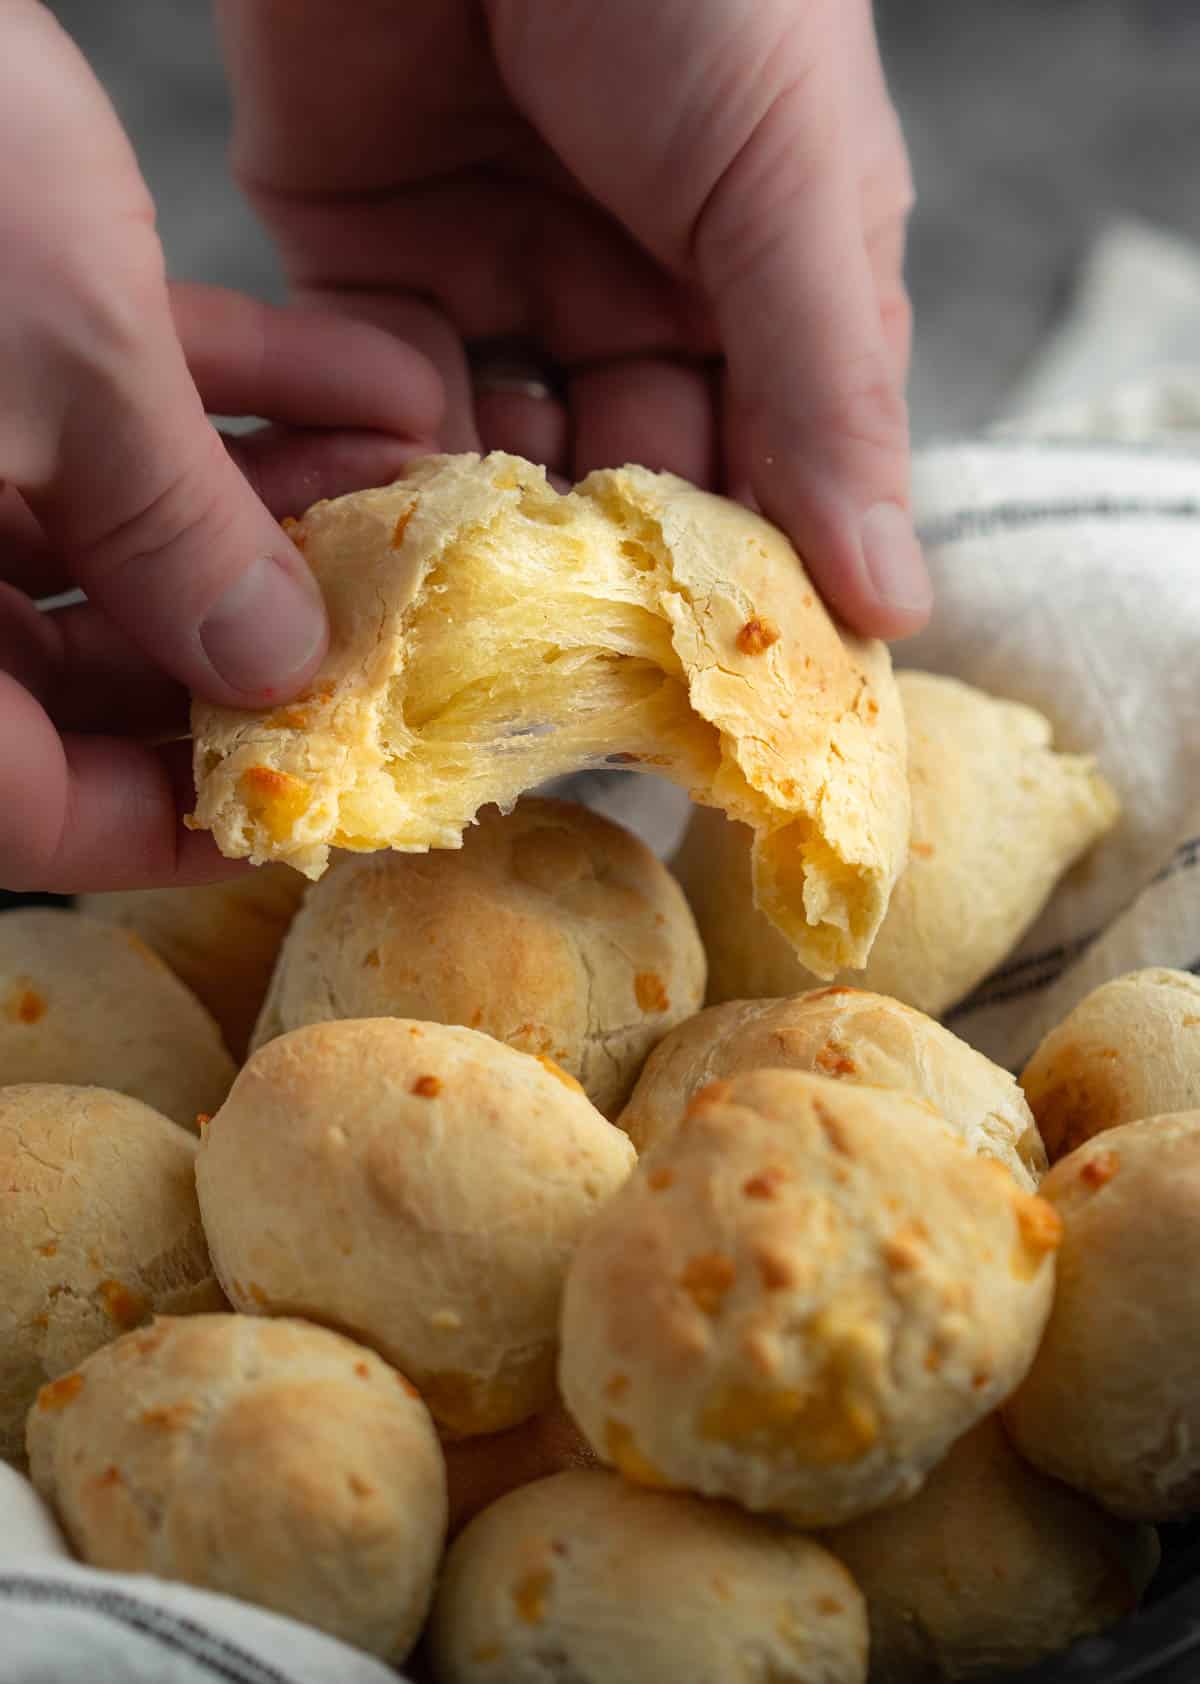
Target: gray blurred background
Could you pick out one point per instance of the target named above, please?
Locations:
(1031, 124)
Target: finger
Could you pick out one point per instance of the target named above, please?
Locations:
(91, 813)
(26, 559)
(309, 367)
(103, 431)
(290, 470)
(658, 413)
(886, 184)
(425, 327)
(818, 423)
(885, 254)
(166, 536)
(522, 417)
(573, 280)
(85, 672)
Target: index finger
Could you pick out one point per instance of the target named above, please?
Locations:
(88, 813)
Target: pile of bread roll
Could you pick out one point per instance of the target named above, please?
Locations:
(512, 1259)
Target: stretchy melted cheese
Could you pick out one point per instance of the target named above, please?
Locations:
(489, 634)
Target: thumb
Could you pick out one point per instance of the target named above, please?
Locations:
(159, 526)
(101, 426)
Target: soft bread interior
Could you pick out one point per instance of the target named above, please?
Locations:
(542, 634)
(535, 647)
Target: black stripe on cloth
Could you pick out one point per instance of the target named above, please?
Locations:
(1184, 858)
(1012, 516)
(1022, 978)
(216, 1655)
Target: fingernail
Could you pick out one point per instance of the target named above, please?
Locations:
(265, 629)
(894, 561)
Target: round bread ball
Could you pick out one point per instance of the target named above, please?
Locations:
(419, 1185)
(1112, 1402)
(854, 1037)
(801, 1298)
(1130, 1049)
(270, 1460)
(998, 815)
(990, 1567)
(221, 939)
(582, 1577)
(83, 1003)
(100, 1230)
(552, 929)
(479, 1471)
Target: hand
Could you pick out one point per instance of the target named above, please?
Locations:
(696, 207)
(112, 478)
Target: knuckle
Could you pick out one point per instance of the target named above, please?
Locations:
(868, 408)
(183, 511)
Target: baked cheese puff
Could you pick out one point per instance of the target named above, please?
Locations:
(1112, 1402)
(100, 1230)
(552, 929)
(420, 1186)
(582, 1577)
(272, 1461)
(990, 1568)
(801, 1298)
(221, 939)
(998, 815)
(85, 1004)
(851, 1036)
(1130, 1049)
(488, 635)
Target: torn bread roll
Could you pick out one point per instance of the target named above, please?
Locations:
(801, 1298)
(1112, 1402)
(1129, 1049)
(551, 929)
(851, 1036)
(998, 815)
(272, 1461)
(420, 1186)
(221, 939)
(86, 1004)
(582, 1578)
(101, 1230)
(489, 634)
(990, 1568)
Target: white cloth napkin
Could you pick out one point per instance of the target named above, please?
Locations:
(1068, 576)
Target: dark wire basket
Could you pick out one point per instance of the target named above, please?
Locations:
(1158, 1645)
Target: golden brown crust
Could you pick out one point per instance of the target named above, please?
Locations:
(221, 939)
(1112, 1403)
(1130, 1049)
(990, 1567)
(581, 1578)
(418, 1185)
(998, 815)
(489, 635)
(272, 1461)
(83, 1003)
(551, 929)
(100, 1231)
(801, 1297)
(851, 1036)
